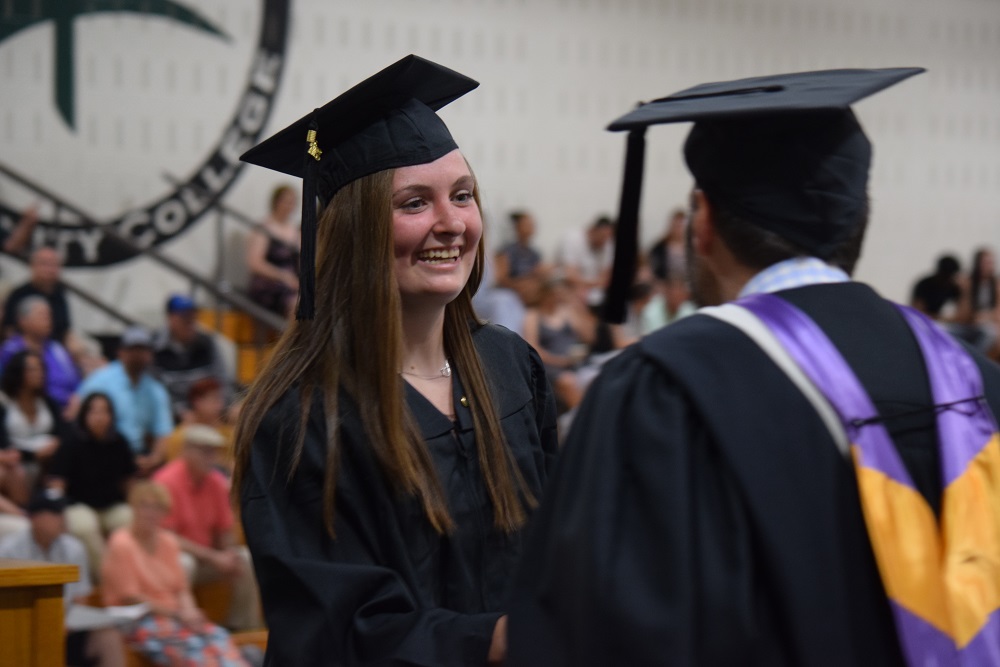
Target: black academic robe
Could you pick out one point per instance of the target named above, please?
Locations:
(701, 514)
(389, 590)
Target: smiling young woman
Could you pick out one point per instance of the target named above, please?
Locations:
(390, 453)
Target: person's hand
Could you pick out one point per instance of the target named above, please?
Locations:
(192, 617)
(498, 646)
(146, 463)
(49, 449)
(225, 561)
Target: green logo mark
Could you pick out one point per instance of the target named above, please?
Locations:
(21, 14)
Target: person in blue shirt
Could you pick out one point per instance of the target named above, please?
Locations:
(142, 405)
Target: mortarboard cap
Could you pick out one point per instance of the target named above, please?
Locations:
(384, 122)
(782, 152)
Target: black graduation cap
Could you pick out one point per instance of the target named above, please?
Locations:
(783, 152)
(384, 122)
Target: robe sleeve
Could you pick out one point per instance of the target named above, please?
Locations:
(641, 528)
(339, 601)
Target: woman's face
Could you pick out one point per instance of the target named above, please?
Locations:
(284, 204)
(148, 514)
(436, 230)
(986, 264)
(34, 373)
(98, 418)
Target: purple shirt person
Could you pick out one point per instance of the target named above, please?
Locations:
(34, 323)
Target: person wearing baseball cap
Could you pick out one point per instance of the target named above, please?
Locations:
(141, 402)
(47, 541)
(182, 354)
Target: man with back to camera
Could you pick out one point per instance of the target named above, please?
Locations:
(808, 476)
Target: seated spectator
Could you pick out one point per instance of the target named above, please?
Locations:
(13, 480)
(45, 282)
(142, 565)
(669, 304)
(561, 329)
(141, 404)
(668, 257)
(34, 324)
(205, 406)
(12, 517)
(981, 305)
(518, 264)
(32, 421)
(93, 467)
(202, 518)
(45, 540)
(273, 256)
(586, 256)
(498, 305)
(183, 355)
(940, 290)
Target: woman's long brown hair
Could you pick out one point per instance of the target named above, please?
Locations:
(354, 343)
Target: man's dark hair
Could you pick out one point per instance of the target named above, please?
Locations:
(603, 221)
(515, 216)
(948, 266)
(759, 248)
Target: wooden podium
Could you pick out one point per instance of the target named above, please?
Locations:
(31, 613)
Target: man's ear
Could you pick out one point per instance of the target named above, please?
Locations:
(703, 235)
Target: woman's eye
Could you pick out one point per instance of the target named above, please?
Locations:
(463, 197)
(412, 204)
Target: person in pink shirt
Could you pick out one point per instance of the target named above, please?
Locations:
(203, 521)
(142, 565)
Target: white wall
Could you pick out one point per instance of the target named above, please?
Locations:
(153, 96)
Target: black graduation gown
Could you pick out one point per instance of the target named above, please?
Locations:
(388, 590)
(701, 514)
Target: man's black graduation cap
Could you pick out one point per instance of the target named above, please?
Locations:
(782, 152)
(384, 122)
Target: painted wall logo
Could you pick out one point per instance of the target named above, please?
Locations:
(167, 215)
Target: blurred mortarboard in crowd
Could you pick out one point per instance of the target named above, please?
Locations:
(782, 152)
(47, 500)
(384, 122)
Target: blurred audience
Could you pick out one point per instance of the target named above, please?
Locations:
(45, 540)
(183, 355)
(273, 255)
(561, 329)
(669, 303)
(518, 264)
(202, 518)
(498, 305)
(44, 281)
(142, 565)
(667, 257)
(585, 258)
(141, 404)
(939, 294)
(206, 406)
(30, 418)
(94, 467)
(982, 307)
(34, 323)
